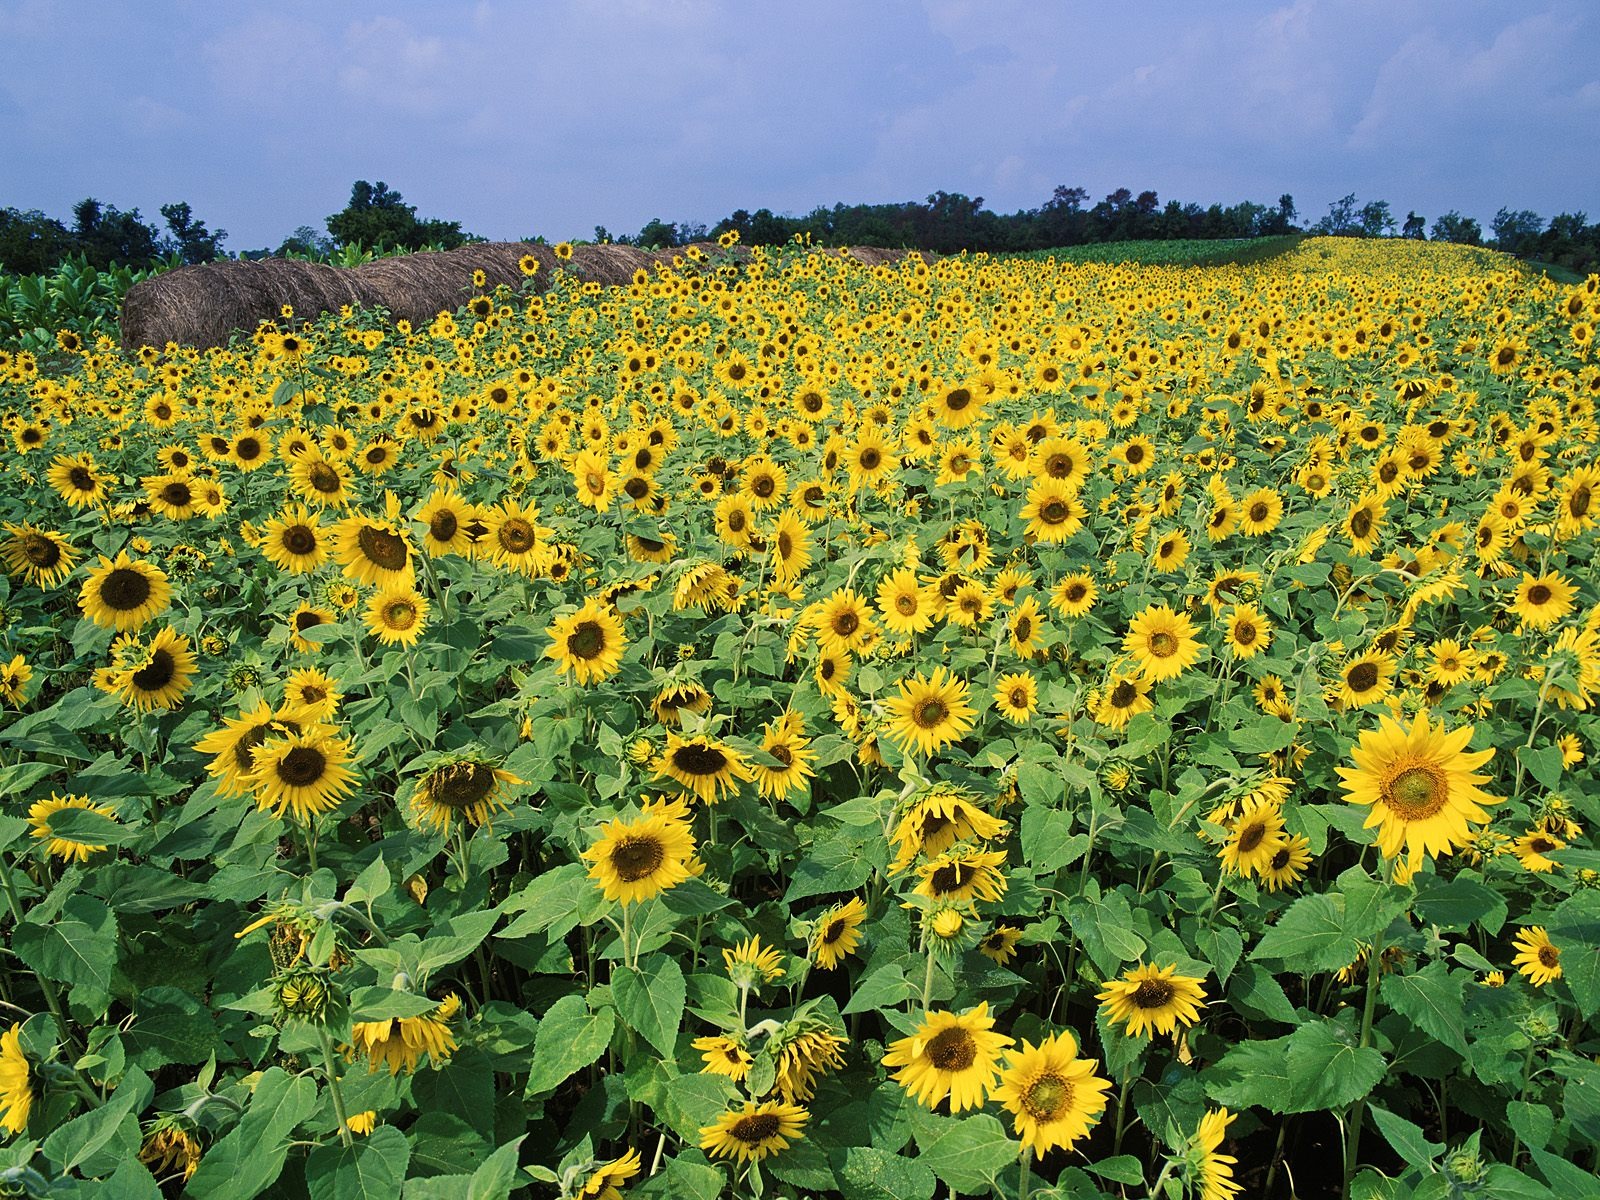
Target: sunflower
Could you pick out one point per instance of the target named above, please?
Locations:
(936, 821)
(124, 593)
(605, 1182)
(1420, 784)
(38, 556)
(1053, 511)
(805, 1049)
(723, 1056)
(963, 875)
(958, 405)
(951, 1055)
(64, 847)
(169, 1148)
(675, 699)
(633, 861)
(870, 460)
(463, 786)
(1075, 595)
(233, 747)
(310, 696)
(307, 617)
(904, 603)
(1260, 512)
(790, 546)
(1171, 552)
(1248, 631)
(784, 739)
(373, 551)
(1255, 839)
(293, 541)
(1017, 697)
(303, 772)
(154, 674)
(1537, 956)
(589, 643)
(1288, 863)
(930, 712)
(591, 476)
(844, 623)
(1024, 630)
(1365, 679)
(1125, 696)
(1533, 850)
(1213, 1171)
(1541, 602)
(396, 616)
(704, 766)
(1162, 642)
(1151, 999)
(1362, 523)
(750, 963)
(755, 1132)
(447, 518)
(514, 538)
(319, 480)
(77, 480)
(400, 1042)
(16, 1089)
(999, 945)
(1575, 503)
(837, 933)
(1055, 1096)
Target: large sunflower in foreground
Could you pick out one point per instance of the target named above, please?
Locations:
(589, 643)
(636, 860)
(303, 773)
(233, 747)
(1420, 785)
(930, 712)
(124, 593)
(1055, 1095)
(1152, 999)
(954, 1055)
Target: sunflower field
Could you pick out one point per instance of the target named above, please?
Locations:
(788, 728)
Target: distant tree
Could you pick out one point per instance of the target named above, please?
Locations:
(602, 235)
(104, 234)
(657, 235)
(379, 217)
(1453, 227)
(190, 239)
(31, 242)
(1515, 231)
(306, 241)
(1341, 219)
(1415, 227)
(1375, 219)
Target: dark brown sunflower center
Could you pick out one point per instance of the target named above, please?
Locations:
(81, 479)
(157, 673)
(460, 785)
(587, 640)
(1244, 633)
(1124, 694)
(1363, 677)
(1361, 523)
(299, 539)
(125, 589)
(1505, 356)
(846, 623)
(516, 536)
(958, 399)
(870, 459)
(1549, 956)
(1280, 860)
(302, 766)
(636, 858)
(40, 551)
(952, 1049)
(324, 478)
(1152, 993)
(782, 753)
(697, 758)
(1134, 454)
(834, 931)
(755, 1129)
(381, 548)
(400, 614)
(306, 620)
(1019, 697)
(1415, 793)
(953, 877)
(764, 486)
(443, 525)
(1251, 836)
(637, 487)
(178, 494)
(1578, 502)
(1054, 512)
(1046, 1097)
(377, 455)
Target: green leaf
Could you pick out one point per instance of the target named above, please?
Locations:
(170, 1026)
(1458, 903)
(570, 1038)
(1544, 764)
(372, 884)
(79, 948)
(463, 1087)
(688, 1179)
(1125, 1168)
(1048, 843)
(1252, 1074)
(1407, 1138)
(374, 1168)
(967, 1153)
(82, 1140)
(1309, 936)
(884, 988)
(250, 1157)
(455, 939)
(1327, 1069)
(1255, 992)
(89, 828)
(557, 902)
(1575, 930)
(1262, 736)
(869, 1174)
(381, 1003)
(1432, 999)
(650, 1000)
(1533, 1123)
(1221, 945)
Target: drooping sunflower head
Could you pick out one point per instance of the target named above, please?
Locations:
(463, 786)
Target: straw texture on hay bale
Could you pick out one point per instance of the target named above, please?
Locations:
(206, 305)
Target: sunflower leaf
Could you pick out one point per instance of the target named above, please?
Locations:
(1327, 1069)
(570, 1038)
(967, 1153)
(1432, 999)
(650, 1000)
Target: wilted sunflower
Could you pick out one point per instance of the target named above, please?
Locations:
(837, 933)
(951, 1055)
(963, 875)
(55, 844)
(1537, 956)
(38, 556)
(703, 765)
(16, 1087)
(930, 712)
(400, 1042)
(936, 821)
(396, 616)
(293, 540)
(588, 644)
(170, 1148)
(462, 786)
(155, 675)
(1055, 1096)
(723, 1056)
(755, 1132)
(1420, 784)
(634, 861)
(124, 593)
(303, 773)
(1151, 999)
(1162, 642)
(675, 699)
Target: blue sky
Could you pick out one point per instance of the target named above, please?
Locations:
(550, 118)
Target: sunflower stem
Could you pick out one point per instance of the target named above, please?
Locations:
(1023, 1181)
(51, 996)
(1352, 1143)
(1122, 1110)
(330, 1067)
(927, 983)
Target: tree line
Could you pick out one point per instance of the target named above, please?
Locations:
(378, 218)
